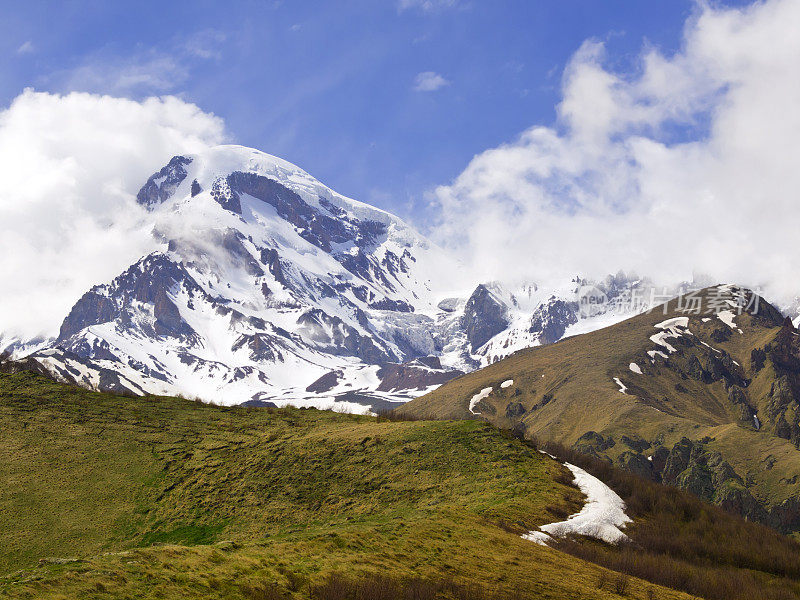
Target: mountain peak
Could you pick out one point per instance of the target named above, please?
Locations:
(208, 170)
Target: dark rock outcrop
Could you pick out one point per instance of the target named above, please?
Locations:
(514, 410)
(692, 467)
(592, 442)
(160, 186)
(416, 374)
(783, 408)
(485, 315)
(637, 463)
(551, 319)
(325, 383)
(151, 281)
(635, 443)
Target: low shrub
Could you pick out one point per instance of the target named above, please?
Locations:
(681, 542)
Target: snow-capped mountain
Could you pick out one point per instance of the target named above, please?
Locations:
(270, 287)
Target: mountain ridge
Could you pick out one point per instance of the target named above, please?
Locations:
(265, 280)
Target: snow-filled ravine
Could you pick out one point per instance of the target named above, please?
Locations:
(601, 517)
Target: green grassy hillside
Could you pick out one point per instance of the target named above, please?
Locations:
(114, 497)
(687, 419)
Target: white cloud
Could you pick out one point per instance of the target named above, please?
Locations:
(687, 165)
(426, 5)
(25, 48)
(156, 70)
(204, 44)
(155, 73)
(70, 167)
(428, 81)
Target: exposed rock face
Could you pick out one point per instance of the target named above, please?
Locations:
(91, 309)
(514, 410)
(259, 404)
(485, 315)
(637, 463)
(551, 320)
(757, 359)
(325, 383)
(689, 465)
(692, 467)
(149, 283)
(449, 305)
(635, 443)
(162, 185)
(593, 443)
(783, 410)
(419, 374)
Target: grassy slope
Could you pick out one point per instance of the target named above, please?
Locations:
(300, 493)
(578, 374)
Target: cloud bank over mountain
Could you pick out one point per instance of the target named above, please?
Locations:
(70, 166)
(686, 165)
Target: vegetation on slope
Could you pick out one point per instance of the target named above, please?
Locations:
(113, 497)
(678, 541)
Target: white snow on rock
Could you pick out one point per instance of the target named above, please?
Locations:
(601, 517)
(507, 383)
(622, 387)
(635, 368)
(674, 322)
(671, 328)
(727, 316)
(660, 339)
(477, 398)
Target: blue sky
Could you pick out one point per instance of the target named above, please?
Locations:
(336, 87)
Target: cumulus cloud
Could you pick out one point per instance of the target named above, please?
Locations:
(687, 165)
(70, 167)
(428, 81)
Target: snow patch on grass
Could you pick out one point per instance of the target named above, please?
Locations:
(622, 387)
(635, 368)
(672, 323)
(601, 517)
(507, 383)
(727, 316)
(671, 328)
(477, 398)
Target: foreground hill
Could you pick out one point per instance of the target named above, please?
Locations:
(172, 498)
(707, 400)
(117, 497)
